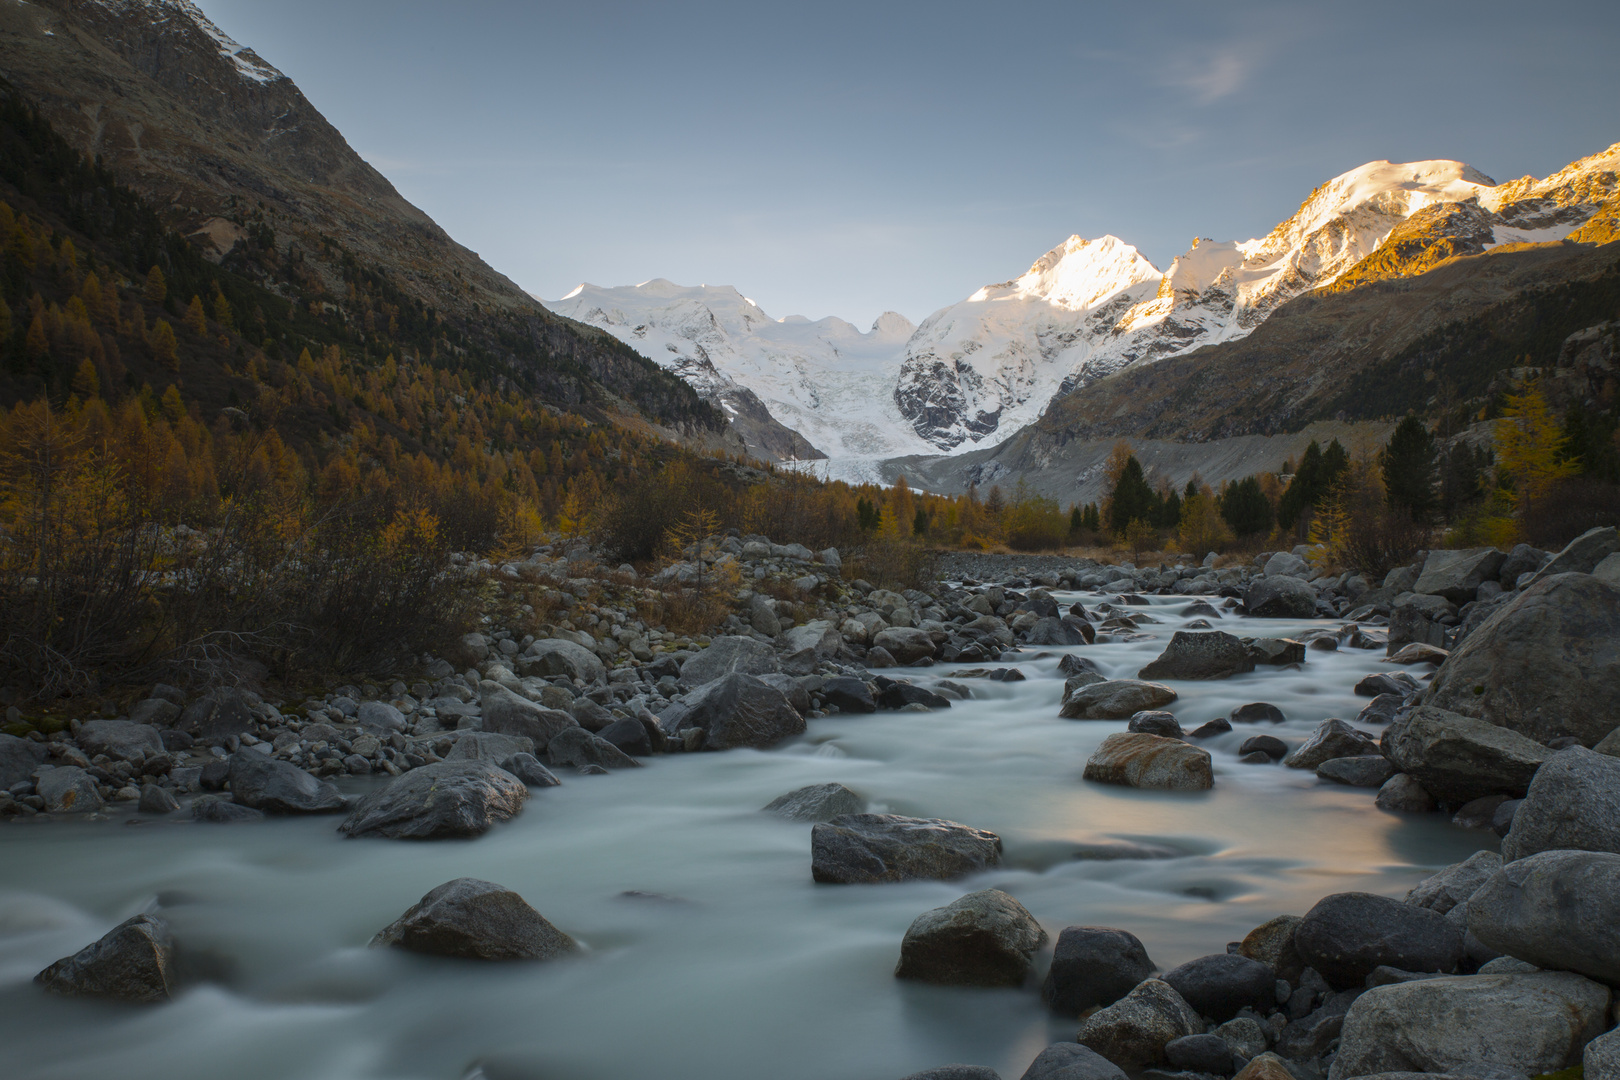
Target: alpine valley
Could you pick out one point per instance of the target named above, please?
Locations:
(1036, 376)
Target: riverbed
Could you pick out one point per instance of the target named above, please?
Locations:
(708, 951)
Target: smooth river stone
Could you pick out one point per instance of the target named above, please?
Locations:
(872, 848)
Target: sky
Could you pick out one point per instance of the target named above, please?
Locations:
(851, 158)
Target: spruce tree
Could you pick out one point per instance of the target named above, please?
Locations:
(1131, 499)
(1409, 468)
(1245, 507)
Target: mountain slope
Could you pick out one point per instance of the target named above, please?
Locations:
(245, 166)
(826, 382)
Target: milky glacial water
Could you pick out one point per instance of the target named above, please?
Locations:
(738, 966)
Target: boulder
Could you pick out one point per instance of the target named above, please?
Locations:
(1573, 802)
(579, 749)
(983, 939)
(1205, 1054)
(1092, 966)
(487, 746)
(1210, 728)
(1071, 1061)
(1155, 722)
(1418, 653)
(134, 961)
(1382, 683)
(1402, 794)
(1443, 891)
(1150, 761)
(803, 647)
(217, 715)
(897, 694)
(475, 920)
(552, 657)
(1582, 554)
(1458, 759)
(1457, 575)
(1258, 712)
(1382, 709)
(156, 801)
(735, 710)
(1601, 1059)
(1115, 699)
(380, 718)
(119, 739)
(508, 713)
(850, 694)
(1269, 745)
(1546, 664)
(1367, 771)
(1554, 909)
(217, 810)
(873, 848)
(1513, 1024)
(628, 734)
(1276, 651)
(955, 1072)
(1346, 935)
(67, 789)
(527, 768)
(792, 688)
(18, 759)
(817, 802)
(1286, 564)
(1333, 738)
(1212, 655)
(1609, 569)
(1221, 985)
(280, 787)
(1272, 943)
(154, 711)
(1133, 1031)
(762, 616)
(905, 644)
(1280, 597)
(729, 655)
(1053, 631)
(445, 799)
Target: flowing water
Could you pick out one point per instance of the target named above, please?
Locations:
(726, 961)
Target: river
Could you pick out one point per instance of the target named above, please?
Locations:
(726, 962)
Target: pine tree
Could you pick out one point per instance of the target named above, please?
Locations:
(1409, 467)
(1131, 499)
(1244, 507)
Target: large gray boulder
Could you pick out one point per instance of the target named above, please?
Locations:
(554, 656)
(1221, 985)
(134, 961)
(727, 655)
(438, 801)
(1555, 909)
(803, 647)
(873, 848)
(1546, 664)
(67, 789)
(488, 746)
(476, 920)
(1601, 1060)
(817, 802)
(1093, 965)
(1573, 802)
(1457, 575)
(983, 939)
(1346, 935)
(1582, 554)
(1280, 597)
(219, 714)
(1071, 1061)
(1056, 632)
(1115, 699)
(1333, 738)
(1526, 1024)
(1189, 655)
(1133, 1031)
(380, 718)
(507, 713)
(1286, 564)
(735, 710)
(904, 643)
(120, 739)
(1272, 943)
(261, 782)
(1140, 760)
(578, 748)
(1458, 759)
(18, 759)
(1443, 891)
(1415, 619)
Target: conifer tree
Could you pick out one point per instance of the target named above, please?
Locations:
(156, 289)
(1244, 507)
(196, 318)
(1409, 467)
(1131, 499)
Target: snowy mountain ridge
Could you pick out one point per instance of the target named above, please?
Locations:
(982, 368)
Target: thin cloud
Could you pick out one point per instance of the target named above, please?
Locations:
(1220, 75)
